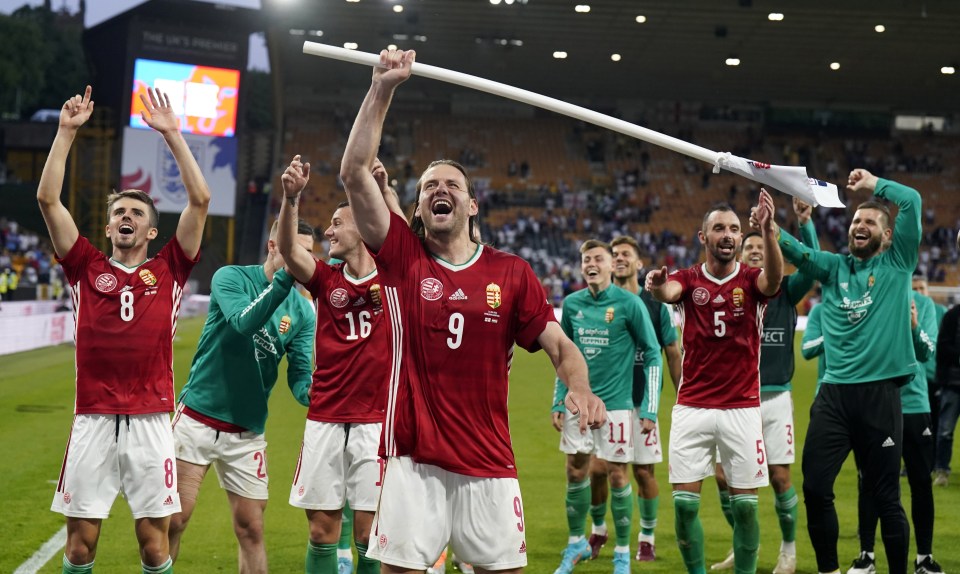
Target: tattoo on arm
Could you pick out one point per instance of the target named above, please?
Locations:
(292, 200)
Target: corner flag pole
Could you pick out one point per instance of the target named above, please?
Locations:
(786, 179)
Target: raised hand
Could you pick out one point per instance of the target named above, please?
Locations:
(295, 177)
(76, 111)
(380, 174)
(655, 279)
(159, 114)
(765, 212)
(861, 180)
(803, 210)
(395, 67)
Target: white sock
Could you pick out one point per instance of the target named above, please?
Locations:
(788, 548)
(345, 553)
(645, 538)
(599, 529)
(922, 557)
(625, 549)
(871, 555)
(574, 539)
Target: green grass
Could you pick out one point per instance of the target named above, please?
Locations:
(36, 401)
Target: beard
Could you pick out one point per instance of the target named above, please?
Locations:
(871, 248)
(721, 256)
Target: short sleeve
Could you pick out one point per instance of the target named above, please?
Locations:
(180, 264)
(533, 312)
(399, 248)
(319, 278)
(76, 260)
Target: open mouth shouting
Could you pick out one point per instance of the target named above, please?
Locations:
(441, 206)
(126, 230)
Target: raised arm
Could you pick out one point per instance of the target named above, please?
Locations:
(769, 280)
(571, 368)
(904, 248)
(663, 289)
(244, 314)
(160, 116)
(800, 282)
(389, 194)
(366, 199)
(63, 230)
(298, 260)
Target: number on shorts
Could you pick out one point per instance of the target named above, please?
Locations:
(762, 456)
(789, 434)
(518, 510)
(262, 464)
(126, 305)
(456, 329)
(383, 468)
(651, 437)
(720, 327)
(167, 466)
(612, 433)
(363, 319)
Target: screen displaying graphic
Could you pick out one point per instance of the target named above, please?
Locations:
(205, 98)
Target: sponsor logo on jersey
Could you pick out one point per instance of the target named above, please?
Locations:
(284, 324)
(718, 300)
(523, 547)
(168, 501)
(105, 283)
(359, 302)
(700, 296)
(737, 296)
(458, 295)
(375, 294)
(608, 316)
(339, 298)
(148, 277)
(494, 296)
(431, 289)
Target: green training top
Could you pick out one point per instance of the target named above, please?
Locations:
(666, 335)
(867, 303)
(609, 329)
(251, 324)
(914, 395)
(811, 345)
(780, 323)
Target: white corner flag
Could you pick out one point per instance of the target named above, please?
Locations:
(788, 179)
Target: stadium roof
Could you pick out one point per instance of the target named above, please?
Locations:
(677, 53)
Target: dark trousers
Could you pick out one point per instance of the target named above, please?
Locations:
(918, 439)
(946, 423)
(866, 419)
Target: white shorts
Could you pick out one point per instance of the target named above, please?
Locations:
(240, 459)
(109, 454)
(338, 463)
(736, 435)
(646, 447)
(613, 441)
(776, 409)
(422, 507)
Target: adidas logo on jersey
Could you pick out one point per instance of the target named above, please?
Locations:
(620, 452)
(360, 302)
(759, 474)
(579, 315)
(168, 501)
(888, 442)
(718, 299)
(790, 452)
(458, 295)
(523, 547)
(926, 432)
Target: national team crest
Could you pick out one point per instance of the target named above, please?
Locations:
(700, 296)
(106, 283)
(870, 281)
(737, 297)
(339, 297)
(148, 277)
(431, 289)
(284, 324)
(608, 317)
(494, 295)
(375, 294)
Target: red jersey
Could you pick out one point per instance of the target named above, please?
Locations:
(125, 320)
(352, 348)
(453, 329)
(721, 320)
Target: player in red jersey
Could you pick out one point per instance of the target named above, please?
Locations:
(121, 437)
(338, 460)
(456, 308)
(721, 306)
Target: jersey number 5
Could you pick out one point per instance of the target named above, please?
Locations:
(719, 327)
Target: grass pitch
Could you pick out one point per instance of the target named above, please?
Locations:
(36, 404)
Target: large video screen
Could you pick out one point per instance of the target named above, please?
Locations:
(205, 98)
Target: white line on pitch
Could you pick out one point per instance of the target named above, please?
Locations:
(46, 552)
